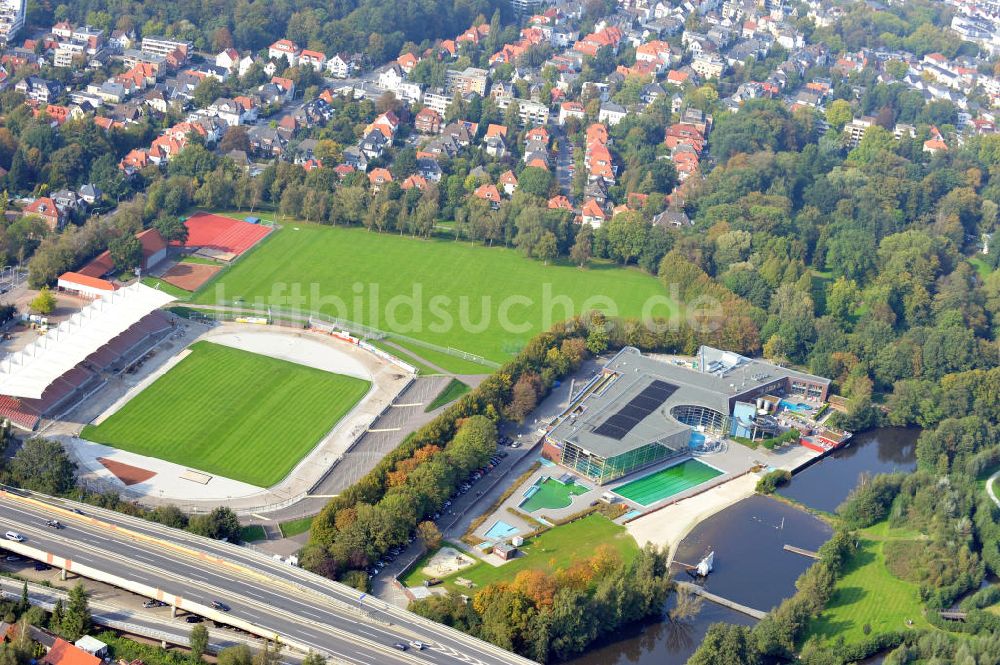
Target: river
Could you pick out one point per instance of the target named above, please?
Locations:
(751, 566)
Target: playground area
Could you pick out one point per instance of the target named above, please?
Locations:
(550, 493)
(667, 482)
(446, 561)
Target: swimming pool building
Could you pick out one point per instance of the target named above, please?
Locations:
(639, 410)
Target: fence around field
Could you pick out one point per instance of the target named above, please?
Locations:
(234, 310)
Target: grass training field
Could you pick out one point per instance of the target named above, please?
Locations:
(232, 413)
(454, 282)
(868, 593)
(556, 548)
(667, 482)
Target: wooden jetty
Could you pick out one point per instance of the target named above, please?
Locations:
(719, 600)
(803, 552)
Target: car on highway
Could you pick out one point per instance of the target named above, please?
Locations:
(402, 646)
(219, 605)
(418, 645)
(193, 618)
(15, 536)
(55, 524)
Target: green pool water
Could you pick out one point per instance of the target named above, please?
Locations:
(667, 482)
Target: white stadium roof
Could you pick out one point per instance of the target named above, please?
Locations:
(30, 371)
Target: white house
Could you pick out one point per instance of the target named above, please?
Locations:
(285, 48)
(227, 59)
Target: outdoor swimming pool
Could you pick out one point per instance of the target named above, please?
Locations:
(550, 493)
(667, 482)
(501, 530)
(798, 407)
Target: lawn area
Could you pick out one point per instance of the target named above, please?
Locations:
(981, 267)
(166, 287)
(456, 293)
(868, 593)
(295, 527)
(252, 533)
(451, 392)
(556, 548)
(232, 413)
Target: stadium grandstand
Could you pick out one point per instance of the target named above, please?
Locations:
(72, 360)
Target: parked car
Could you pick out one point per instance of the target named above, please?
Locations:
(154, 603)
(42, 566)
(193, 618)
(432, 582)
(15, 536)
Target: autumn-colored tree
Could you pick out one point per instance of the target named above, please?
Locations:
(429, 535)
(344, 518)
(605, 559)
(525, 397)
(537, 585)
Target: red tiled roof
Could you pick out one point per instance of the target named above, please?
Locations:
(64, 653)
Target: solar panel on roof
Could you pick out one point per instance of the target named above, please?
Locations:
(640, 406)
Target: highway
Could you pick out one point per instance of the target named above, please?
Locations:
(303, 609)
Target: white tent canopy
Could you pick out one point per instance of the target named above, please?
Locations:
(30, 371)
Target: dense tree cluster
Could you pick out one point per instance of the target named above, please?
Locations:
(377, 28)
(551, 617)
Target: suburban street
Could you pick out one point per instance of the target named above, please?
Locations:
(302, 608)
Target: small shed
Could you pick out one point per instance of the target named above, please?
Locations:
(505, 551)
(92, 645)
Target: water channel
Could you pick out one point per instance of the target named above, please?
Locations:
(751, 566)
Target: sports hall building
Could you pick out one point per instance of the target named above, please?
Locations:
(639, 410)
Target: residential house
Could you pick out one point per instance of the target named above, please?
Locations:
(314, 59)
(378, 178)
(47, 209)
(611, 113)
(508, 181)
(488, 193)
(284, 48)
(227, 59)
(593, 214)
(428, 121)
(38, 89)
(571, 110)
(64, 653)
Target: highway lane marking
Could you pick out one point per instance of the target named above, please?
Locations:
(328, 595)
(375, 647)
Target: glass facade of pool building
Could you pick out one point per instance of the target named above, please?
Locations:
(638, 411)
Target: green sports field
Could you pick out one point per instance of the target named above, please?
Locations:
(667, 482)
(232, 413)
(454, 282)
